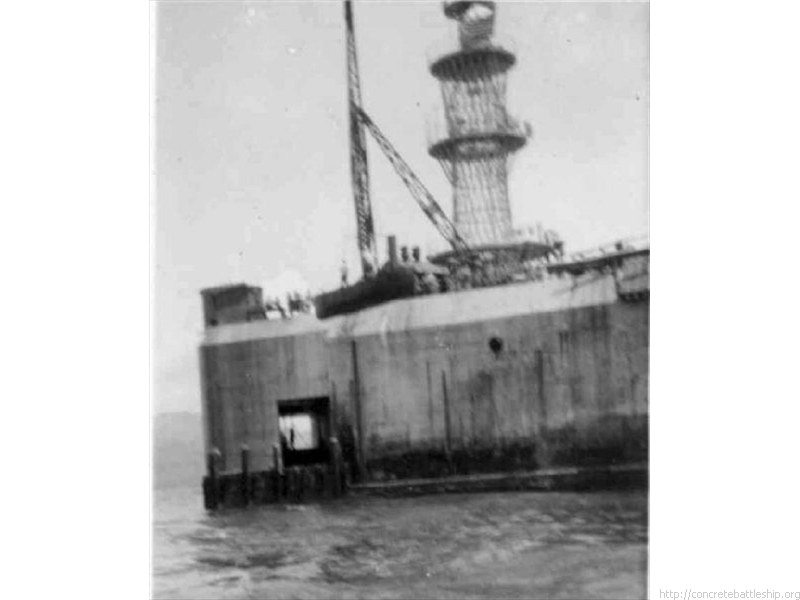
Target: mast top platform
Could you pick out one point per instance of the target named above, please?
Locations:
(479, 144)
(455, 9)
(455, 65)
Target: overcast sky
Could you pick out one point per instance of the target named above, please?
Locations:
(251, 149)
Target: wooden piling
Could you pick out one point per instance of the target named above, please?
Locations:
(309, 488)
(336, 467)
(298, 483)
(319, 481)
(212, 486)
(327, 481)
(277, 464)
(244, 481)
(259, 488)
(291, 484)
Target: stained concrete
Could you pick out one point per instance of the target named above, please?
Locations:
(417, 386)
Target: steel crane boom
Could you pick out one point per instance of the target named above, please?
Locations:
(418, 190)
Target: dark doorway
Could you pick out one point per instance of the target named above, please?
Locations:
(305, 429)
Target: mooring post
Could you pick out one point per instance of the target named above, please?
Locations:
(212, 493)
(244, 482)
(308, 489)
(320, 476)
(297, 483)
(291, 488)
(277, 464)
(336, 466)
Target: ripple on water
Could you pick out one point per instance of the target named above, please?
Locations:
(329, 549)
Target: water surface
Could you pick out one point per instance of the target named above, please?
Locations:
(494, 545)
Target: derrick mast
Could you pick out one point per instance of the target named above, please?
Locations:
(359, 170)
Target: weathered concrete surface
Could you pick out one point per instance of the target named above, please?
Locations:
(625, 477)
(566, 387)
(521, 376)
(243, 381)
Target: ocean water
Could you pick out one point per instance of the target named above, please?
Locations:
(493, 545)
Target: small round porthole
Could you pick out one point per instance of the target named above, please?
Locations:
(495, 345)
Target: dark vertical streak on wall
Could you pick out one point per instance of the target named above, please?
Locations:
(291, 362)
(359, 422)
(607, 355)
(539, 360)
(473, 431)
(205, 401)
(243, 429)
(573, 362)
(624, 348)
(456, 392)
(494, 432)
(446, 401)
(333, 430)
(215, 403)
(597, 371)
(602, 350)
(430, 400)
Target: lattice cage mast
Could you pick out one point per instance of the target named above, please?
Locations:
(480, 134)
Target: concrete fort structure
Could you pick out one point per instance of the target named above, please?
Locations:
(537, 374)
(499, 356)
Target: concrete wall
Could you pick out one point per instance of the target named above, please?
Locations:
(567, 387)
(416, 388)
(243, 382)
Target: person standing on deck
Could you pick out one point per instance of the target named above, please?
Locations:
(344, 273)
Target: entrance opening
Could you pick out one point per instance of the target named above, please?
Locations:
(305, 429)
